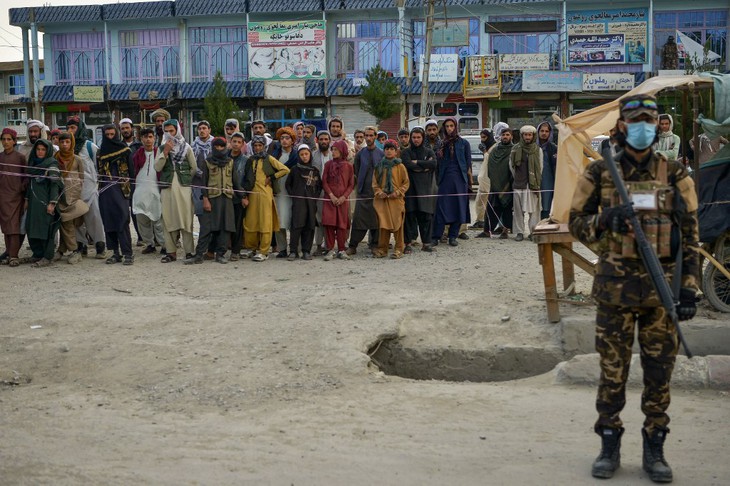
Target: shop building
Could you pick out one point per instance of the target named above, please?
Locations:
(124, 60)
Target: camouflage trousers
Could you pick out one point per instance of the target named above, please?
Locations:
(658, 343)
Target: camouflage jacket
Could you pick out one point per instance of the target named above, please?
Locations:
(623, 281)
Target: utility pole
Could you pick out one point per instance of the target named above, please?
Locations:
(36, 68)
(426, 62)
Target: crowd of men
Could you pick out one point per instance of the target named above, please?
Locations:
(300, 193)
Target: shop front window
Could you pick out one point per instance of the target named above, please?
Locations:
(365, 44)
(78, 58)
(150, 55)
(214, 49)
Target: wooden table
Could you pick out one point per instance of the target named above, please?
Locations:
(556, 238)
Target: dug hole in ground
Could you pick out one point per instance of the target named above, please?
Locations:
(261, 373)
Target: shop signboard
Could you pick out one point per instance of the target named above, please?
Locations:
(608, 81)
(450, 33)
(631, 23)
(558, 81)
(524, 62)
(482, 69)
(443, 68)
(482, 77)
(596, 49)
(287, 50)
(89, 94)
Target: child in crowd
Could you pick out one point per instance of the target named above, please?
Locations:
(304, 185)
(390, 183)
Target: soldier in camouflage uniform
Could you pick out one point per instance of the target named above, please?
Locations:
(665, 201)
(670, 54)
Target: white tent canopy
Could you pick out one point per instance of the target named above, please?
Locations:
(578, 130)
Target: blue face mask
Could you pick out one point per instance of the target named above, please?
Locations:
(640, 134)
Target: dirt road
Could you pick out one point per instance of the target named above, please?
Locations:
(258, 373)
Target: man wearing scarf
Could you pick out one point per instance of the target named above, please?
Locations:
(217, 222)
(237, 143)
(365, 218)
(298, 128)
(177, 167)
(201, 148)
(159, 117)
(44, 189)
(525, 163)
(34, 132)
(93, 227)
(116, 172)
(284, 151)
(12, 195)
(454, 165)
(668, 144)
(260, 181)
(146, 202)
(70, 206)
(498, 214)
(390, 184)
(202, 145)
(230, 127)
(549, 164)
(420, 161)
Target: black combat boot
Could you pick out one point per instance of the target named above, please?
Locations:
(610, 457)
(654, 462)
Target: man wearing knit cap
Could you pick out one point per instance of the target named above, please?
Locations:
(525, 162)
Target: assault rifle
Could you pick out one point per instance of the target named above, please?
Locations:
(648, 256)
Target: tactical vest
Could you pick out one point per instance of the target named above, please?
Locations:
(220, 180)
(182, 170)
(653, 202)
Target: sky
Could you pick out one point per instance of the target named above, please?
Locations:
(11, 43)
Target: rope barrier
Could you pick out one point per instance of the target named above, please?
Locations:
(109, 181)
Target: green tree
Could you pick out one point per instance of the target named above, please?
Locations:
(218, 106)
(380, 97)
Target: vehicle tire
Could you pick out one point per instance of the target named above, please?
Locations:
(717, 288)
(716, 285)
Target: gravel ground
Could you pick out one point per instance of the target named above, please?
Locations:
(258, 373)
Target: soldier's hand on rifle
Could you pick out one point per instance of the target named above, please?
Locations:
(614, 219)
(687, 307)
